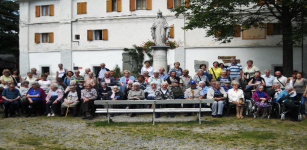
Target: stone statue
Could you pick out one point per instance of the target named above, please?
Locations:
(160, 30)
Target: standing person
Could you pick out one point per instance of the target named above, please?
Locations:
(234, 95)
(53, 99)
(280, 79)
(85, 74)
(164, 94)
(200, 77)
(36, 74)
(88, 96)
(163, 75)
(177, 69)
(77, 76)
(148, 68)
(100, 73)
(155, 78)
(221, 65)
(110, 81)
(30, 78)
(61, 73)
(6, 77)
(249, 71)
(125, 79)
(291, 79)
(90, 79)
(269, 79)
(16, 77)
(219, 95)
(10, 97)
(215, 71)
(173, 77)
(44, 83)
(223, 78)
(206, 72)
(257, 79)
(192, 93)
(185, 79)
(68, 78)
(234, 70)
(300, 86)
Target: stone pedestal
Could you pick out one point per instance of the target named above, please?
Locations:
(160, 57)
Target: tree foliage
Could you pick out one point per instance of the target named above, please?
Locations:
(9, 27)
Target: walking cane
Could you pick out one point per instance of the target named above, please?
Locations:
(68, 107)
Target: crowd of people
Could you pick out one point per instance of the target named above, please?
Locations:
(72, 90)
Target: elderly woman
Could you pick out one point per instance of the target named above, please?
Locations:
(185, 79)
(44, 83)
(257, 79)
(103, 91)
(300, 86)
(24, 88)
(200, 77)
(215, 70)
(177, 69)
(223, 78)
(6, 77)
(261, 99)
(30, 78)
(249, 70)
(147, 68)
(219, 95)
(35, 96)
(151, 91)
(70, 100)
(53, 99)
(221, 65)
(113, 95)
(77, 76)
(234, 95)
(136, 94)
(110, 81)
(68, 78)
(88, 95)
(127, 89)
(204, 88)
(90, 79)
(85, 74)
(155, 78)
(164, 93)
(125, 79)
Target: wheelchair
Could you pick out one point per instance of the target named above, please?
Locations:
(282, 110)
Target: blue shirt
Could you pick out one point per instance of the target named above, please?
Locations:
(32, 92)
(268, 80)
(234, 70)
(123, 80)
(178, 72)
(201, 93)
(66, 81)
(226, 90)
(204, 89)
(281, 95)
(164, 76)
(222, 80)
(10, 94)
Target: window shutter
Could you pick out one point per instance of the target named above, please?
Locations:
(171, 32)
(37, 11)
(148, 4)
(132, 5)
(51, 10)
(169, 4)
(36, 38)
(51, 37)
(84, 8)
(187, 3)
(260, 2)
(89, 35)
(269, 29)
(119, 5)
(109, 5)
(105, 34)
(79, 5)
(237, 30)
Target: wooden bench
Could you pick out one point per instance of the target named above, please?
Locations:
(153, 110)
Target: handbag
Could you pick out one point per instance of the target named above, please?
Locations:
(241, 101)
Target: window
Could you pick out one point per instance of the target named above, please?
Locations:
(44, 37)
(234, 30)
(141, 4)
(274, 29)
(76, 68)
(77, 37)
(96, 68)
(178, 2)
(46, 70)
(175, 3)
(44, 10)
(81, 8)
(98, 35)
(114, 5)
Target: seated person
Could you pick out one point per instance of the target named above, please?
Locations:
(10, 97)
(53, 99)
(61, 86)
(142, 82)
(285, 97)
(257, 80)
(136, 94)
(73, 83)
(114, 95)
(261, 100)
(146, 75)
(125, 79)
(151, 92)
(30, 78)
(70, 100)
(211, 83)
(200, 77)
(110, 81)
(79, 88)
(164, 94)
(103, 91)
(155, 78)
(177, 90)
(6, 77)
(88, 96)
(44, 83)
(234, 96)
(128, 87)
(226, 86)
(223, 78)
(35, 96)
(192, 93)
(219, 95)
(173, 77)
(24, 88)
(204, 88)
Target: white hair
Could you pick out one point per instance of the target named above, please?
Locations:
(164, 83)
(72, 81)
(200, 82)
(55, 85)
(136, 83)
(288, 87)
(115, 87)
(153, 83)
(130, 81)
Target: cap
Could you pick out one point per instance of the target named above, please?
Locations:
(192, 82)
(174, 81)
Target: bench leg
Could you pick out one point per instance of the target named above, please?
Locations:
(199, 119)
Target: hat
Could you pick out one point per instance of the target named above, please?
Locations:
(226, 82)
(174, 81)
(192, 82)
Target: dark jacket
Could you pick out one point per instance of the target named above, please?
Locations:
(78, 89)
(118, 93)
(112, 81)
(96, 75)
(169, 80)
(101, 90)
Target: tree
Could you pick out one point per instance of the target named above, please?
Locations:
(9, 27)
(219, 17)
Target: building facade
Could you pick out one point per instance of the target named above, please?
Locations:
(84, 33)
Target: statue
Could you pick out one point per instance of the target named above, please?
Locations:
(160, 30)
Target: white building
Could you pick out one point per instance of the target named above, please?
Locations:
(84, 33)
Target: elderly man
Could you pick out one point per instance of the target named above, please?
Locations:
(155, 78)
(10, 97)
(85, 74)
(110, 81)
(100, 73)
(192, 93)
(164, 94)
(88, 96)
(268, 79)
(234, 70)
(163, 75)
(219, 95)
(30, 78)
(173, 77)
(280, 79)
(185, 79)
(204, 88)
(35, 74)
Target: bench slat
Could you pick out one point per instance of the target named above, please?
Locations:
(177, 101)
(151, 110)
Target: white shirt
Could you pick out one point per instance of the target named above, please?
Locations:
(61, 73)
(44, 84)
(268, 80)
(282, 79)
(150, 70)
(30, 80)
(234, 96)
(101, 73)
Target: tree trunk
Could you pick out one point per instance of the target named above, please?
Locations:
(287, 43)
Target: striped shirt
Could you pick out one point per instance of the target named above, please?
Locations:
(234, 70)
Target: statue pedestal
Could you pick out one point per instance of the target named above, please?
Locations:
(160, 57)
